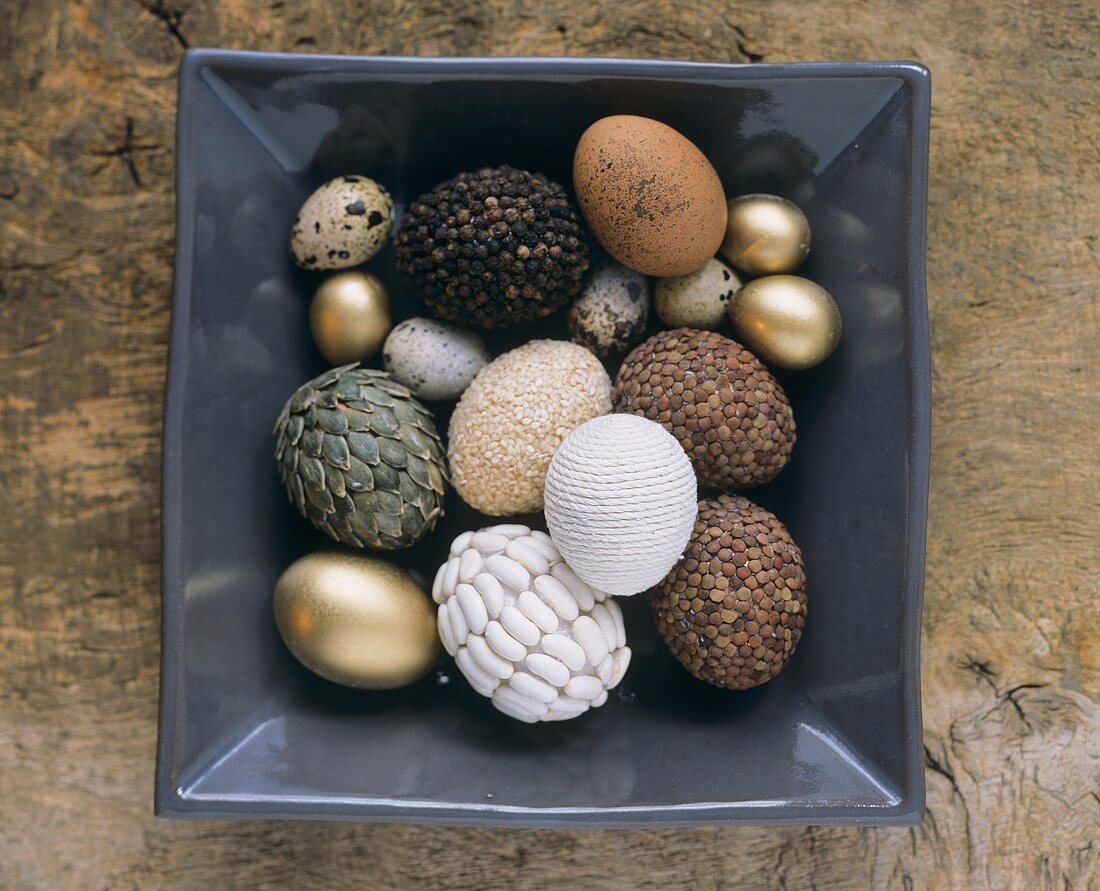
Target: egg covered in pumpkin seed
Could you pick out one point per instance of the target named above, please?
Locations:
(698, 299)
(611, 314)
(434, 359)
(342, 224)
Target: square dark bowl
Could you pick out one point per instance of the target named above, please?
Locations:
(246, 731)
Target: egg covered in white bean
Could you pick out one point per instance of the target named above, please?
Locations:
(434, 359)
(611, 314)
(523, 629)
(344, 223)
(698, 299)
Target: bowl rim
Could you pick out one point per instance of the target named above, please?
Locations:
(170, 801)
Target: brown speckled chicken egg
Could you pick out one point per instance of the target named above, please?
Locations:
(342, 224)
(649, 195)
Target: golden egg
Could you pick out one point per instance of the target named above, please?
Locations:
(788, 321)
(350, 317)
(357, 621)
(765, 234)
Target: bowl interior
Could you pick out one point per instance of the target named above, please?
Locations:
(248, 730)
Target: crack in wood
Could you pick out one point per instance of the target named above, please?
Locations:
(170, 16)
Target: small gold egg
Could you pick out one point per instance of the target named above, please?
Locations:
(765, 234)
(350, 317)
(788, 321)
(357, 621)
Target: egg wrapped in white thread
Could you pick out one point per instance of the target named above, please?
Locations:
(621, 502)
(524, 629)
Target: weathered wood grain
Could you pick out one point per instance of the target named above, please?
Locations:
(1011, 647)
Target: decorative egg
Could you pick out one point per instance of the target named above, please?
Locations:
(434, 359)
(765, 234)
(611, 314)
(349, 317)
(620, 502)
(732, 610)
(524, 629)
(650, 197)
(344, 223)
(512, 418)
(788, 321)
(698, 299)
(357, 621)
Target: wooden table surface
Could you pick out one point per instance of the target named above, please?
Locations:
(1011, 641)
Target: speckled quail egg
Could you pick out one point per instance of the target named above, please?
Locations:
(611, 314)
(344, 223)
(434, 359)
(696, 300)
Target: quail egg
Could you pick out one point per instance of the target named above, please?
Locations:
(699, 299)
(611, 314)
(344, 223)
(434, 359)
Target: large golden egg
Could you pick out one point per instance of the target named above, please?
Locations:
(358, 621)
(350, 317)
(765, 234)
(788, 321)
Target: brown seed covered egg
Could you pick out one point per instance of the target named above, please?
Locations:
(728, 412)
(733, 608)
(651, 198)
(342, 224)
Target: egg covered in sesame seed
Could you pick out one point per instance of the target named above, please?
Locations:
(513, 417)
(611, 314)
(342, 224)
(434, 359)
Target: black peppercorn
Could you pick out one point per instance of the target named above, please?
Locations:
(494, 248)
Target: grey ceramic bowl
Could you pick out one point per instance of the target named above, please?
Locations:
(246, 731)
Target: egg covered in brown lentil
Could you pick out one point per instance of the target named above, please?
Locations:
(728, 412)
(343, 223)
(732, 610)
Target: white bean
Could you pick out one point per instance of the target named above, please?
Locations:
(527, 557)
(543, 537)
(545, 548)
(580, 591)
(450, 577)
(548, 668)
(570, 703)
(599, 700)
(568, 651)
(622, 662)
(509, 572)
(444, 626)
(557, 597)
(587, 633)
(473, 607)
(461, 543)
(511, 530)
(458, 622)
(530, 686)
(512, 712)
(602, 614)
(469, 565)
(506, 646)
(489, 542)
(478, 678)
(491, 592)
(511, 697)
(620, 628)
(437, 584)
(584, 686)
(606, 669)
(537, 611)
(519, 626)
(489, 661)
